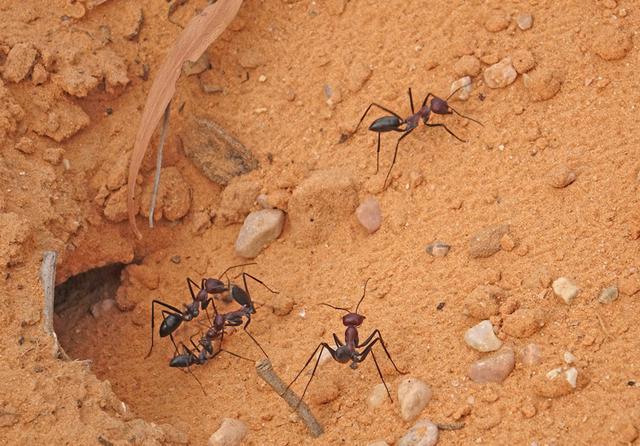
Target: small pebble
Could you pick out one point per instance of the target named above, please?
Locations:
(542, 84)
(463, 87)
(486, 242)
(611, 43)
(561, 176)
(369, 214)
(482, 302)
(497, 20)
(377, 396)
(481, 337)
(525, 21)
(413, 396)
(557, 383)
(19, 62)
(438, 249)
(467, 65)
(565, 289)
(608, 295)
(494, 368)
(192, 68)
(423, 433)
(259, 229)
(379, 443)
(522, 61)
(500, 74)
(523, 323)
(231, 433)
(568, 357)
(262, 78)
(176, 259)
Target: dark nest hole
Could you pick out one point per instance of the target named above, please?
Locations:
(91, 293)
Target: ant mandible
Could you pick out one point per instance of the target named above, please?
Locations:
(200, 301)
(349, 350)
(395, 123)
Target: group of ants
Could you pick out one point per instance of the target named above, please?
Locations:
(348, 350)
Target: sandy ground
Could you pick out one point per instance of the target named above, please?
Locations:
(74, 81)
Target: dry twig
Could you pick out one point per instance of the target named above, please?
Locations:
(201, 31)
(265, 371)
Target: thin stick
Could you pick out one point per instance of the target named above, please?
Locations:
(156, 179)
(48, 279)
(265, 371)
(602, 326)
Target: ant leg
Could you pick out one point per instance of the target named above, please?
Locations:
(153, 306)
(251, 336)
(411, 101)
(372, 342)
(244, 279)
(426, 98)
(447, 129)
(322, 346)
(234, 354)
(466, 117)
(380, 107)
(337, 340)
(191, 284)
(378, 155)
(395, 154)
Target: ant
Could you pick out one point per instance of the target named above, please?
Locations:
(395, 123)
(348, 351)
(216, 330)
(200, 301)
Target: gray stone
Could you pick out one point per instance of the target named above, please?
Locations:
(423, 433)
(438, 249)
(231, 433)
(377, 396)
(259, 229)
(525, 21)
(482, 338)
(493, 369)
(608, 295)
(218, 155)
(413, 396)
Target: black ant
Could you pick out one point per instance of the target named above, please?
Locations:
(200, 301)
(395, 123)
(216, 330)
(348, 351)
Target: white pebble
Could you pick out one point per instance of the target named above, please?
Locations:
(438, 249)
(259, 229)
(565, 289)
(572, 376)
(525, 21)
(568, 357)
(423, 433)
(413, 396)
(231, 433)
(501, 74)
(464, 87)
(493, 369)
(262, 78)
(482, 338)
(608, 295)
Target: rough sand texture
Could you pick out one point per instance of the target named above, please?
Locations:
(557, 163)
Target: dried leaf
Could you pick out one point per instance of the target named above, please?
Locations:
(201, 31)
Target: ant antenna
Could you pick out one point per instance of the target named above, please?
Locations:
(336, 308)
(457, 90)
(363, 293)
(466, 117)
(236, 266)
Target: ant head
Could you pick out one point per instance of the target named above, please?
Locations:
(214, 286)
(353, 319)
